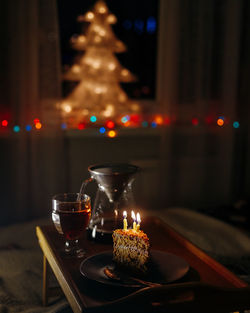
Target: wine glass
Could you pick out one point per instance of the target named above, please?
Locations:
(70, 214)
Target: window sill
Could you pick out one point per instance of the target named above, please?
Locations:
(123, 132)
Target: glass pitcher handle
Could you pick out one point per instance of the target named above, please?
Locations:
(83, 186)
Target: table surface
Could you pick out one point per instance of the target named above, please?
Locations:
(83, 293)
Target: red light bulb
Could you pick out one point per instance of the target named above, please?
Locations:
(81, 126)
(4, 123)
(110, 124)
(195, 121)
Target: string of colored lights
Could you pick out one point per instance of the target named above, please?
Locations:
(128, 121)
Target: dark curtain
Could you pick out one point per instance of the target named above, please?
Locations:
(204, 74)
(31, 162)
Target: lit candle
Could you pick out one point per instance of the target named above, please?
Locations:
(125, 223)
(138, 218)
(133, 217)
(116, 216)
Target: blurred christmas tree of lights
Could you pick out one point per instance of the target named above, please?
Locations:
(98, 72)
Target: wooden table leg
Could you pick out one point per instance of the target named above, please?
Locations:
(45, 280)
(47, 290)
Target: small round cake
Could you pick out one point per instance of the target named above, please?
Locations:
(131, 249)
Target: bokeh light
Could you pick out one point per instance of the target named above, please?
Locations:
(159, 119)
(127, 124)
(110, 124)
(153, 124)
(167, 120)
(139, 26)
(236, 124)
(28, 128)
(4, 123)
(220, 122)
(16, 128)
(112, 133)
(126, 118)
(81, 126)
(93, 119)
(135, 118)
(195, 121)
(151, 25)
(64, 126)
(67, 108)
(102, 130)
(38, 125)
(89, 15)
(209, 120)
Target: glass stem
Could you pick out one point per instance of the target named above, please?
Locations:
(71, 245)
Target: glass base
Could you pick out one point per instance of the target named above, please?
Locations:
(72, 249)
(95, 234)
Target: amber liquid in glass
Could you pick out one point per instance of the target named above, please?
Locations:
(70, 220)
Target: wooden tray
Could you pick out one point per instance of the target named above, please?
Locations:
(85, 295)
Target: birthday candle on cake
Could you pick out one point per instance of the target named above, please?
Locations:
(138, 219)
(134, 222)
(125, 223)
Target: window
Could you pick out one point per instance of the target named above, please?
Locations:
(137, 26)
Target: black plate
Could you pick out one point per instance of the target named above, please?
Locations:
(164, 268)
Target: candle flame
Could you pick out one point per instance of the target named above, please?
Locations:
(133, 215)
(125, 214)
(138, 218)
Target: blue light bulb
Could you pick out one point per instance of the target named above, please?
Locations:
(102, 130)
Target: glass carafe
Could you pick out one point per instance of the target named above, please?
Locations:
(113, 196)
